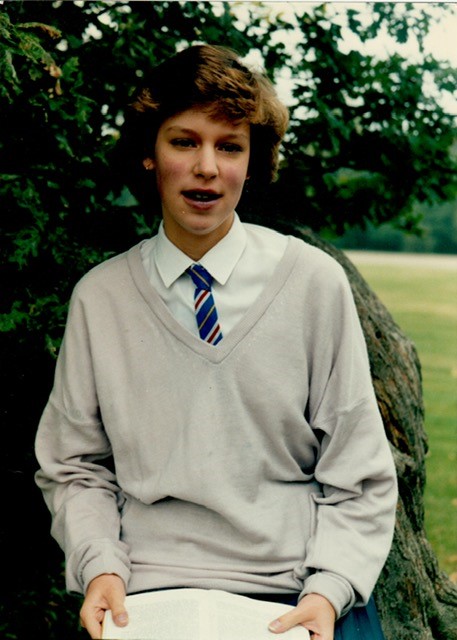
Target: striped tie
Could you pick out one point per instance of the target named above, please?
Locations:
(205, 309)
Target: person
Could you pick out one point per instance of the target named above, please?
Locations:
(251, 458)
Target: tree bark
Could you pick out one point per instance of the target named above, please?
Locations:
(415, 600)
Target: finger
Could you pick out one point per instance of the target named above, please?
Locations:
(115, 600)
(90, 621)
(120, 617)
(286, 622)
(118, 610)
(93, 628)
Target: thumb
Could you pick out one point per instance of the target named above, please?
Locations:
(285, 622)
(119, 613)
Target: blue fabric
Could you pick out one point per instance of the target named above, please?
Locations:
(361, 623)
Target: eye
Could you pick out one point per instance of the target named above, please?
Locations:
(230, 147)
(183, 143)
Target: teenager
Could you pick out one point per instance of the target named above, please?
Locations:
(222, 367)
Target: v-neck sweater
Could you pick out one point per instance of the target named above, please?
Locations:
(257, 466)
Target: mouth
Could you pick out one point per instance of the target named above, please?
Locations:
(199, 195)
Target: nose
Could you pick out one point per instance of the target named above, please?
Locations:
(206, 163)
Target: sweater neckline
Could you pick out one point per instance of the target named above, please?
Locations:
(212, 353)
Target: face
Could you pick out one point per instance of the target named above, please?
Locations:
(201, 165)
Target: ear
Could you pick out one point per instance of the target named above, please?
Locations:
(149, 164)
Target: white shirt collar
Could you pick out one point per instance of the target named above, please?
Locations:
(220, 261)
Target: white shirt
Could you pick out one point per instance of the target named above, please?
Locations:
(241, 265)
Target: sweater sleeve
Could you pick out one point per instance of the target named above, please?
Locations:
(355, 469)
(72, 448)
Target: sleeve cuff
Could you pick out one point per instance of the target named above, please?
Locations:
(101, 556)
(336, 589)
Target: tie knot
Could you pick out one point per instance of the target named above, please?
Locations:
(202, 279)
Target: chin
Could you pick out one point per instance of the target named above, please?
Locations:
(203, 225)
(201, 231)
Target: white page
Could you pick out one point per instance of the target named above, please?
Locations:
(241, 618)
(163, 615)
(196, 614)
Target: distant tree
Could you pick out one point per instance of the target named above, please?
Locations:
(437, 234)
(365, 143)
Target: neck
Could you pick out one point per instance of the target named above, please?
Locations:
(197, 249)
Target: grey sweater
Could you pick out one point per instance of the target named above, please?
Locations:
(257, 466)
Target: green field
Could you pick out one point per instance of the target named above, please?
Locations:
(421, 295)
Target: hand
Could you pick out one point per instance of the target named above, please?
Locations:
(106, 591)
(313, 612)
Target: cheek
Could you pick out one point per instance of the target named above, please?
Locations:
(236, 177)
(167, 174)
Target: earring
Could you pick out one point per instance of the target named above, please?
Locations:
(148, 164)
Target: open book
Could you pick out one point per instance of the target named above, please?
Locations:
(198, 614)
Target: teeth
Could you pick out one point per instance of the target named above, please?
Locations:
(201, 196)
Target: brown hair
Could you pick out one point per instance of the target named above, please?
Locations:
(211, 77)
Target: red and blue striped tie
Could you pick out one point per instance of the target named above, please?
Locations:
(205, 309)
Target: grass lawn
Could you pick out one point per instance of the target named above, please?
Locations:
(421, 295)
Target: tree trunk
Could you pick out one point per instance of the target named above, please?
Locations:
(416, 600)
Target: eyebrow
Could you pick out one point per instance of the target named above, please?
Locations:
(228, 136)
